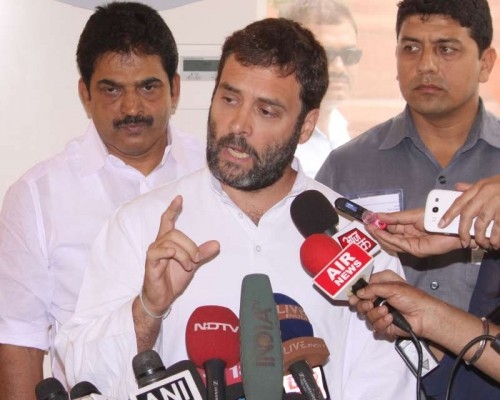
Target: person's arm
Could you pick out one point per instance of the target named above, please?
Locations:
(171, 262)
(429, 317)
(405, 233)
(110, 325)
(21, 368)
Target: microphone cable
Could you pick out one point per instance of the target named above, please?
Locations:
(400, 321)
(495, 345)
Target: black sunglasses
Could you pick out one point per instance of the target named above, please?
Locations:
(349, 56)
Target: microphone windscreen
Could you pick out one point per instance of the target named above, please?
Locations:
(50, 389)
(297, 334)
(317, 251)
(148, 368)
(312, 213)
(82, 389)
(293, 319)
(212, 333)
(260, 340)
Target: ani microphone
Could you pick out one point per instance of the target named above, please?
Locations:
(179, 381)
(212, 342)
(260, 340)
(301, 349)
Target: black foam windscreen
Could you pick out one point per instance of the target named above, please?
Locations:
(148, 368)
(82, 389)
(312, 213)
(50, 389)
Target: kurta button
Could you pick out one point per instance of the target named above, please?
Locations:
(258, 248)
(434, 285)
(442, 180)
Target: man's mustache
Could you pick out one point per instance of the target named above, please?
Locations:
(133, 120)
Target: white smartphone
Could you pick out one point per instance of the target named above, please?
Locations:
(438, 202)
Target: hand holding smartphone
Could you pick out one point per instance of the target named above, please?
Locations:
(438, 202)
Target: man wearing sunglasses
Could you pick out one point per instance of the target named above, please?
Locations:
(333, 25)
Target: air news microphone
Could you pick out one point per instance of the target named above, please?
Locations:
(50, 389)
(212, 342)
(260, 340)
(301, 350)
(180, 381)
(344, 272)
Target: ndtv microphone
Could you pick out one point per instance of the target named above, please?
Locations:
(260, 340)
(50, 389)
(312, 212)
(180, 381)
(301, 350)
(212, 342)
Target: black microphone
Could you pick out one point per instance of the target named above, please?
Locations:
(312, 213)
(50, 389)
(83, 389)
(148, 368)
(179, 381)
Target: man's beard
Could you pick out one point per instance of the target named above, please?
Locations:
(268, 167)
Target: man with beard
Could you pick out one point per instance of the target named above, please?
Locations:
(127, 58)
(145, 279)
(333, 25)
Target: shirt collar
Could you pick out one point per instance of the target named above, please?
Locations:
(486, 126)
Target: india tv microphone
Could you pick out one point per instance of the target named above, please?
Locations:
(50, 389)
(260, 340)
(312, 212)
(301, 350)
(180, 381)
(212, 342)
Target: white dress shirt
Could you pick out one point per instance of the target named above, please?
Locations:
(313, 153)
(51, 216)
(99, 342)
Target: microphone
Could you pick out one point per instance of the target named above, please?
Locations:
(301, 349)
(335, 272)
(179, 381)
(50, 389)
(260, 340)
(312, 213)
(148, 368)
(345, 273)
(83, 390)
(212, 342)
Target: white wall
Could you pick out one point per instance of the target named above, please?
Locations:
(39, 105)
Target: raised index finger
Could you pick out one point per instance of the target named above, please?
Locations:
(169, 216)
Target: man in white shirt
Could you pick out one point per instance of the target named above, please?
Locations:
(234, 216)
(127, 58)
(333, 25)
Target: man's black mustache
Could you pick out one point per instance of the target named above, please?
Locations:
(132, 120)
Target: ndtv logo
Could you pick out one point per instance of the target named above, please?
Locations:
(215, 326)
